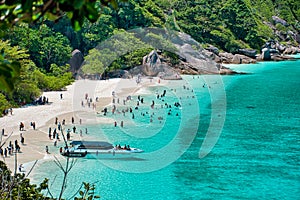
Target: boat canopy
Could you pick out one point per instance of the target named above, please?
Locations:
(91, 144)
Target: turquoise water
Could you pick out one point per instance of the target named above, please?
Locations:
(256, 155)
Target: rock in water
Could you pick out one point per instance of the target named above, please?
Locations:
(266, 54)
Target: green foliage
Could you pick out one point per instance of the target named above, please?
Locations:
(87, 193)
(280, 27)
(93, 63)
(34, 10)
(30, 80)
(172, 57)
(4, 104)
(93, 34)
(135, 58)
(131, 15)
(44, 46)
(111, 50)
(9, 65)
(18, 187)
(158, 41)
(9, 71)
(55, 81)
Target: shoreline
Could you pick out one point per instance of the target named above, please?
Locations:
(69, 106)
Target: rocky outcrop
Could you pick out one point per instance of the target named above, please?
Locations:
(280, 47)
(193, 54)
(265, 55)
(248, 52)
(291, 50)
(274, 51)
(193, 59)
(153, 65)
(229, 58)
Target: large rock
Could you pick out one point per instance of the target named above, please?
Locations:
(266, 55)
(280, 47)
(76, 61)
(242, 59)
(291, 50)
(151, 59)
(226, 57)
(248, 52)
(153, 65)
(278, 57)
(194, 54)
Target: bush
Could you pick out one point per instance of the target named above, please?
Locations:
(4, 104)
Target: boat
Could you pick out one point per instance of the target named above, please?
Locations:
(98, 149)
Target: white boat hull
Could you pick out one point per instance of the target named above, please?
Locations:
(107, 154)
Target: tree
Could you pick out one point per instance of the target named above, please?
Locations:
(18, 186)
(44, 46)
(32, 11)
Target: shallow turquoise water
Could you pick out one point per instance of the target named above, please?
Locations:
(257, 154)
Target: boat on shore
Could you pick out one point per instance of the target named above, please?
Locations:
(98, 149)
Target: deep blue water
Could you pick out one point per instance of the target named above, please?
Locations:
(253, 120)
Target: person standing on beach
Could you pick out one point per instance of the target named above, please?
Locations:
(22, 139)
(68, 136)
(54, 133)
(5, 152)
(49, 135)
(20, 167)
(47, 150)
(3, 131)
(21, 126)
(58, 126)
(72, 120)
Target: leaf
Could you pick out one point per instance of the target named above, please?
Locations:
(81, 193)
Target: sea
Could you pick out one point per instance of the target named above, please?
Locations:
(230, 137)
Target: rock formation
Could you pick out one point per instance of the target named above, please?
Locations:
(76, 61)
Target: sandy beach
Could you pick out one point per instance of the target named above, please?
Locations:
(63, 105)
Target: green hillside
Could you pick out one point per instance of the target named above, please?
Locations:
(45, 46)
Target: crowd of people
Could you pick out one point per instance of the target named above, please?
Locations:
(123, 109)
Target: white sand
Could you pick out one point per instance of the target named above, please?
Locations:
(65, 108)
